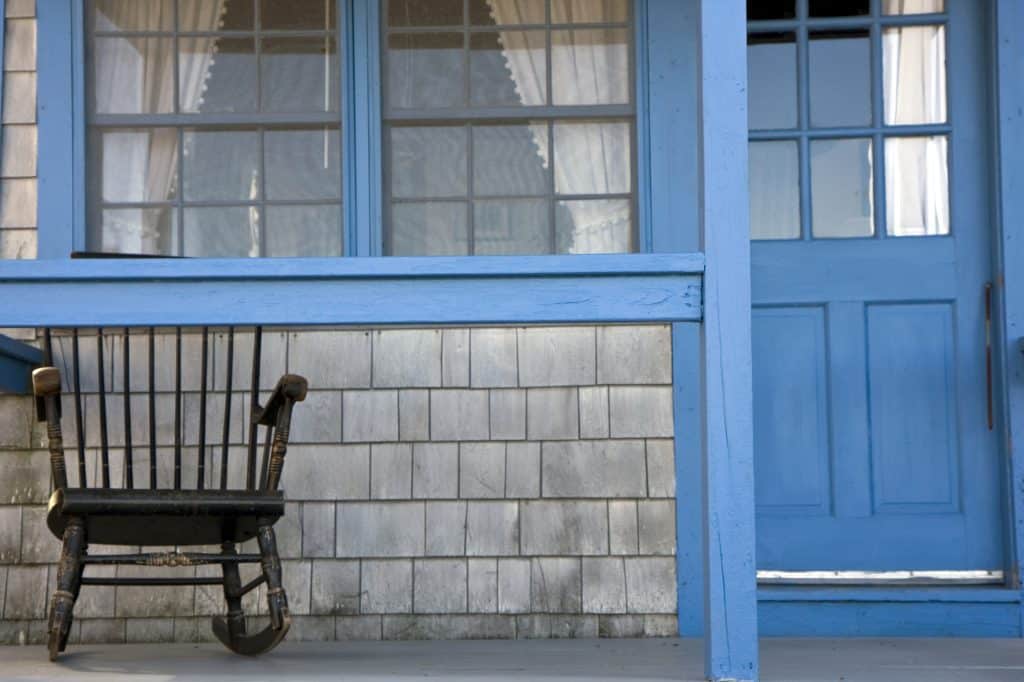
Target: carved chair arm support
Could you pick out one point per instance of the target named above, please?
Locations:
(290, 389)
(46, 387)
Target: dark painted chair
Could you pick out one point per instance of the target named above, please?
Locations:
(168, 511)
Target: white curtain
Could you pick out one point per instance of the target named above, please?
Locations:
(917, 188)
(136, 76)
(911, 6)
(589, 66)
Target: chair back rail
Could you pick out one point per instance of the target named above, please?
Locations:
(258, 473)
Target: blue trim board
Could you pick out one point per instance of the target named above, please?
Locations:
(889, 619)
(363, 124)
(59, 177)
(17, 360)
(456, 267)
(668, 142)
(357, 291)
(3, 33)
(1008, 48)
(896, 594)
(689, 444)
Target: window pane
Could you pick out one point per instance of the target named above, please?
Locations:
(298, 74)
(217, 75)
(133, 75)
(222, 232)
(215, 15)
(134, 15)
(435, 228)
(221, 165)
(771, 75)
(774, 190)
(428, 161)
(511, 226)
(912, 6)
(842, 203)
(840, 57)
(491, 13)
(915, 74)
(304, 231)
(589, 11)
(424, 12)
(592, 157)
(507, 160)
(280, 15)
(601, 226)
(138, 165)
(136, 230)
(303, 164)
(508, 68)
(590, 66)
(766, 10)
(425, 70)
(916, 186)
(839, 8)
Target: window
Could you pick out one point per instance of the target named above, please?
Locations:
(215, 127)
(848, 121)
(508, 127)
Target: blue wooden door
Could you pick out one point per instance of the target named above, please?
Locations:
(871, 226)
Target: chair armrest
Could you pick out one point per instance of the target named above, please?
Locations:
(289, 388)
(46, 383)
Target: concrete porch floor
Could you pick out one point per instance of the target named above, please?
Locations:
(789, 660)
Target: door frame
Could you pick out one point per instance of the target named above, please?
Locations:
(1007, 20)
(996, 611)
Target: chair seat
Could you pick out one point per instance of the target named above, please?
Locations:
(164, 517)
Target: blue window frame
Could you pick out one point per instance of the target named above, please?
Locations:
(665, 128)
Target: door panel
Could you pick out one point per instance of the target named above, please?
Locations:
(790, 422)
(913, 397)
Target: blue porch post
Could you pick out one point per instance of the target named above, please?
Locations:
(730, 586)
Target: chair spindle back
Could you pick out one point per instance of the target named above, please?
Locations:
(76, 366)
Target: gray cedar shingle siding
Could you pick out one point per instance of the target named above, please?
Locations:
(426, 511)
(443, 483)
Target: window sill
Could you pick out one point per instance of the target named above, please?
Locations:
(354, 291)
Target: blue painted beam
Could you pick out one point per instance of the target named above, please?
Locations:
(17, 360)
(358, 291)
(730, 587)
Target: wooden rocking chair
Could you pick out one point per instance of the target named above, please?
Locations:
(171, 512)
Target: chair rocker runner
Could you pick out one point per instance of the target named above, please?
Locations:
(163, 510)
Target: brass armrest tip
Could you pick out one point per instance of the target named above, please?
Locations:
(46, 381)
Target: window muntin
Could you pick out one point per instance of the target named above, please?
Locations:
(509, 127)
(214, 127)
(858, 90)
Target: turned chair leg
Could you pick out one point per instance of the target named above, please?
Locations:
(69, 582)
(233, 595)
(277, 600)
(231, 630)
